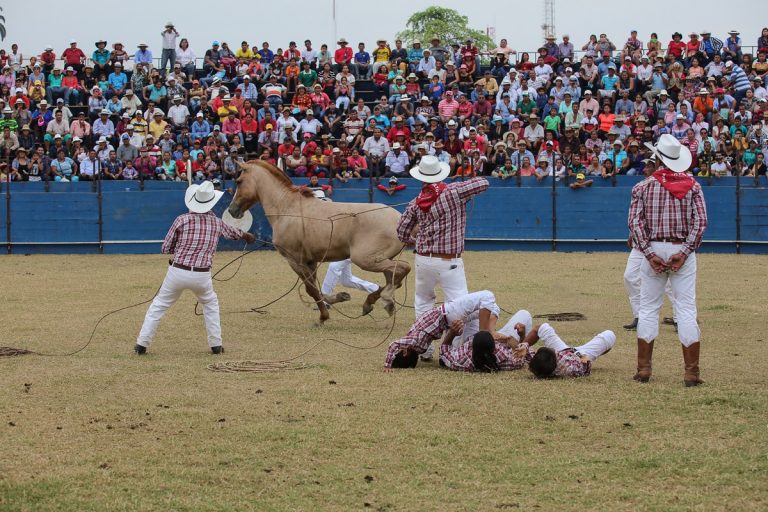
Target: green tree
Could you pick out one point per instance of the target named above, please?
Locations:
(447, 24)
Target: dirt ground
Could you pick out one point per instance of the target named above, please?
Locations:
(107, 430)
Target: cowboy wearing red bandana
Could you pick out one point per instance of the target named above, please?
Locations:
(667, 219)
(440, 213)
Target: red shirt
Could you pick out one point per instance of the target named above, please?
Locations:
(343, 55)
(193, 238)
(72, 56)
(249, 127)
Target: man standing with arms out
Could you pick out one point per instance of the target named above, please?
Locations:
(169, 47)
(667, 219)
(441, 215)
(192, 242)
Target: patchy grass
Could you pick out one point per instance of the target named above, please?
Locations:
(106, 430)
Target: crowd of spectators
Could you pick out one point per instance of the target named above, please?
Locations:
(563, 112)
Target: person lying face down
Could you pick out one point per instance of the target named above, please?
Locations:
(482, 352)
(477, 311)
(558, 359)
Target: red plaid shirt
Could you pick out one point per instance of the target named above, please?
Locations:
(569, 364)
(427, 328)
(441, 229)
(193, 238)
(655, 213)
(460, 359)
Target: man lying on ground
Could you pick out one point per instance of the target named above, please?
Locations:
(477, 311)
(557, 359)
(483, 353)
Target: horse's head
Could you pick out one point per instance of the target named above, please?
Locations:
(247, 193)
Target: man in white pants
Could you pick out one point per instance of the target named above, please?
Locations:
(667, 219)
(633, 274)
(440, 213)
(340, 272)
(192, 242)
(557, 359)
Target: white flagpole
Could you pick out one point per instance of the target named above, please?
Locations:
(335, 35)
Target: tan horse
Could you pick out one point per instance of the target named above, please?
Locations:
(307, 231)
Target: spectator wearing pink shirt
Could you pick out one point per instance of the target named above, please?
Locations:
(448, 107)
(232, 128)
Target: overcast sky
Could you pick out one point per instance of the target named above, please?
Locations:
(361, 20)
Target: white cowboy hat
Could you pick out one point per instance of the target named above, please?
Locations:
(244, 223)
(201, 198)
(430, 170)
(672, 154)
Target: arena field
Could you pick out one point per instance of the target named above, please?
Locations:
(107, 430)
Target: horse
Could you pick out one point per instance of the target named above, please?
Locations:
(307, 231)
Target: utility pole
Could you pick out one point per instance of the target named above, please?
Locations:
(549, 19)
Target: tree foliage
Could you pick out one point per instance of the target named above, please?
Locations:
(447, 24)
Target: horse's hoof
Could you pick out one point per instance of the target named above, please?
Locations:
(343, 297)
(389, 307)
(367, 308)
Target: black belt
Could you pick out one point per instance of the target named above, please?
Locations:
(676, 241)
(191, 269)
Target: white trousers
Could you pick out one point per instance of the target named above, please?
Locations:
(340, 272)
(632, 280)
(449, 274)
(521, 317)
(175, 282)
(467, 308)
(593, 349)
(683, 285)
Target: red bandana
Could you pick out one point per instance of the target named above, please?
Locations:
(429, 194)
(677, 183)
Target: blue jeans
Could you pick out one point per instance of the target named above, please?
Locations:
(56, 92)
(169, 55)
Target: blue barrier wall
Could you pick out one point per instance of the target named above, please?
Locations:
(525, 215)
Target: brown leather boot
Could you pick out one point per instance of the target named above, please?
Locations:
(691, 359)
(644, 354)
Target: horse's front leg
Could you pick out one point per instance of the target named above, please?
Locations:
(308, 274)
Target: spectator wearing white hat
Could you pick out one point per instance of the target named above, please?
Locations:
(144, 55)
(397, 161)
(169, 35)
(103, 126)
(130, 102)
(73, 56)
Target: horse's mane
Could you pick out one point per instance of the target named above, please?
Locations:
(281, 177)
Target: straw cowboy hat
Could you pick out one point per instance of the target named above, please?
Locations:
(672, 154)
(201, 198)
(430, 170)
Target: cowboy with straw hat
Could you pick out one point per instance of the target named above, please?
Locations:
(667, 219)
(192, 242)
(440, 213)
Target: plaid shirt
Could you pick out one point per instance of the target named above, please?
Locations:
(193, 238)
(569, 364)
(427, 328)
(441, 229)
(655, 213)
(460, 359)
